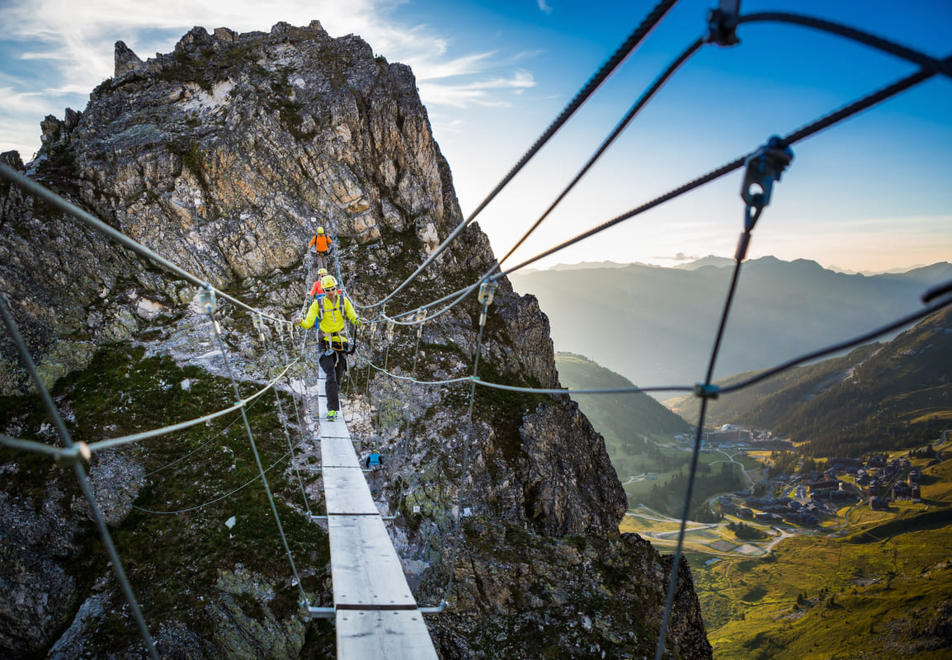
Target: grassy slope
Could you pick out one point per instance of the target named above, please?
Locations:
(639, 436)
(880, 397)
(173, 560)
(859, 597)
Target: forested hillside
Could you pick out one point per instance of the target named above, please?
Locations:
(878, 397)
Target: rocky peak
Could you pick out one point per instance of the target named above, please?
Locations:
(223, 156)
(125, 59)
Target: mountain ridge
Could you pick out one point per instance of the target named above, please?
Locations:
(656, 325)
(223, 156)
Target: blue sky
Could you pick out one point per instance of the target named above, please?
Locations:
(870, 194)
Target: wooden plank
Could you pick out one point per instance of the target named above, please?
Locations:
(400, 635)
(338, 452)
(335, 429)
(366, 570)
(346, 492)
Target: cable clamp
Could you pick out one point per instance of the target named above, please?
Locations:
(79, 450)
(703, 391)
(486, 292)
(722, 24)
(207, 299)
(762, 168)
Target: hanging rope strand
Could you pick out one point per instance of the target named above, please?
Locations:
(209, 307)
(81, 477)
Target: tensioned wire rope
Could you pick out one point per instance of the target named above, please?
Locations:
(619, 56)
(209, 307)
(879, 43)
(461, 294)
(84, 485)
(606, 143)
(58, 202)
(758, 377)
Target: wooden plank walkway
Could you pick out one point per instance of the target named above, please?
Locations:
(375, 612)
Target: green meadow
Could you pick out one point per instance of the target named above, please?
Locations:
(877, 586)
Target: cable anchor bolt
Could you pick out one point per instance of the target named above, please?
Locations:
(722, 24)
(708, 391)
(485, 297)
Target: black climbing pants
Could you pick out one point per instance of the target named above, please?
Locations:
(334, 366)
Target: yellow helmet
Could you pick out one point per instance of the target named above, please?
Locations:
(328, 282)
(320, 230)
(322, 271)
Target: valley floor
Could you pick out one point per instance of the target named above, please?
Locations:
(862, 584)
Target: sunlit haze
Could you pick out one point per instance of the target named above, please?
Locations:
(870, 194)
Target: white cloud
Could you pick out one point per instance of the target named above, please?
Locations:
(75, 42)
(544, 6)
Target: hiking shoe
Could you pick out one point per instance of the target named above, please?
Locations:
(331, 415)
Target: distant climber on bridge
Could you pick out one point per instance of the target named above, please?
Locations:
(316, 292)
(322, 247)
(332, 313)
(374, 461)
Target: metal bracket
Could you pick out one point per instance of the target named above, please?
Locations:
(762, 168)
(486, 292)
(706, 391)
(207, 299)
(722, 24)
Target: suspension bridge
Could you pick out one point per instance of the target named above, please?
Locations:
(375, 611)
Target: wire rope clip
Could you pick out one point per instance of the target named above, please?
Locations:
(706, 391)
(486, 292)
(207, 299)
(762, 168)
(79, 450)
(722, 24)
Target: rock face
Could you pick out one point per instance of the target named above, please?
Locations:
(223, 156)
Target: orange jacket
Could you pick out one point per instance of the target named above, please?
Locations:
(321, 242)
(316, 289)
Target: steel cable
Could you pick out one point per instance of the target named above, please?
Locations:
(81, 477)
(619, 56)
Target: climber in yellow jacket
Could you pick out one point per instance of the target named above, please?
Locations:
(332, 312)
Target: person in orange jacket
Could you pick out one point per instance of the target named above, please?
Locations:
(322, 246)
(317, 292)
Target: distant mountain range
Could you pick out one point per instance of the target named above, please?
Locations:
(880, 396)
(656, 325)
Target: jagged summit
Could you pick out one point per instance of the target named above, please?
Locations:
(223, 156)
